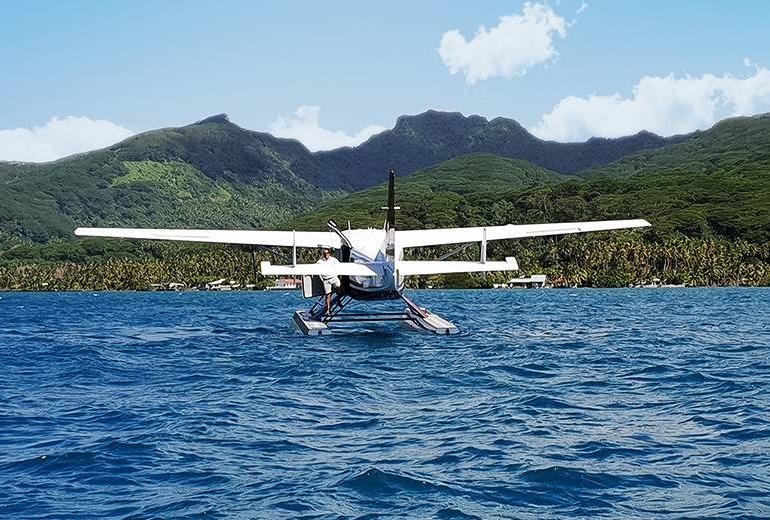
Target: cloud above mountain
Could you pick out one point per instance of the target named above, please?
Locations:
(516, 44)
(665, 105)
(304, 125)
(59, 138)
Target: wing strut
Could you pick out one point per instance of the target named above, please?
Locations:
(483, 246)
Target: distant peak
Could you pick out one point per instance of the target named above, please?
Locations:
(507, 123)
(219, 118)
(645, 133)
(430, 115)
(432, 119)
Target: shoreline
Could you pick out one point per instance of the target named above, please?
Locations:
(501, 290)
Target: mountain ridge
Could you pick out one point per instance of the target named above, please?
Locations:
(432, 137)
(427, 121)
(213, 173)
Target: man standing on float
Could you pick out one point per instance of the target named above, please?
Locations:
(331, 282)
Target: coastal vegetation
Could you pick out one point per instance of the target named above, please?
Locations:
(617, 261)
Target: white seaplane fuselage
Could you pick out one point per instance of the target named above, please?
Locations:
(372, 247)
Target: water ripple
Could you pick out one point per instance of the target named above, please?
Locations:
(549, 404)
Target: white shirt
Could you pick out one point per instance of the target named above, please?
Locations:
(330, 260)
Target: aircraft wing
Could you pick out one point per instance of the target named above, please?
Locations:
(433, 237)
(265, 238)
(412, 267)
(337, 268)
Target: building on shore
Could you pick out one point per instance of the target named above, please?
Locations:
(536, 281)
(222, 285)
(285, 284)
(656, 284)
(172, 286)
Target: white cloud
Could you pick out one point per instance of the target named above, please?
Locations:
(59, 138)
(582, 8)
(664, 105)
(516, 44)
(304, 126)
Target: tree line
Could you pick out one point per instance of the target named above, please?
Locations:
(618, 260)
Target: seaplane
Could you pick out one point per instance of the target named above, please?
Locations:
(370, 262)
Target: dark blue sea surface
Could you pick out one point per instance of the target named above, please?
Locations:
(637, 403)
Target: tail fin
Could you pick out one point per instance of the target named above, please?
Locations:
(390, 223)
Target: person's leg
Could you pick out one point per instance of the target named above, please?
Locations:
(328, 291)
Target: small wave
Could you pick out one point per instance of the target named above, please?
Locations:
(185, 507)
(560, 476)
(14, 332)
(109, 481)
(69, 462)
(278, 447)
(451, 513)
(189, 477)
(522, 372)
(571, 477)
(374, 481)
(251, 330)
(647, 373)
(350, 425)
(540, 401)
(445, 459)
(689, 377)
(747, 434)
(150, 334)
(295, 506)
(603, 450)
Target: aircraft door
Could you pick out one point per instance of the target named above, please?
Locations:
(312, 286)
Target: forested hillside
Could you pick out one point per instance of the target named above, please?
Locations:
(721, 203)
(203, 175)
(707, 197)
(216, 174)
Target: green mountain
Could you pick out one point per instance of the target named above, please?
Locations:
(717, 183)
(445, 195)
(425, 140)
(714, 185)
(729, 146)
(216, 174)
(211, 173)
(709, 227)
(713, 231)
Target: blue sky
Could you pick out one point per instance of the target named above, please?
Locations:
(80, 75)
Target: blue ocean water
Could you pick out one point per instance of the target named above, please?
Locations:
(550, 404)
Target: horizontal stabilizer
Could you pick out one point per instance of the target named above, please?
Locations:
(329, 269)
(414, 267)
(246, 237)
(434, 237)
